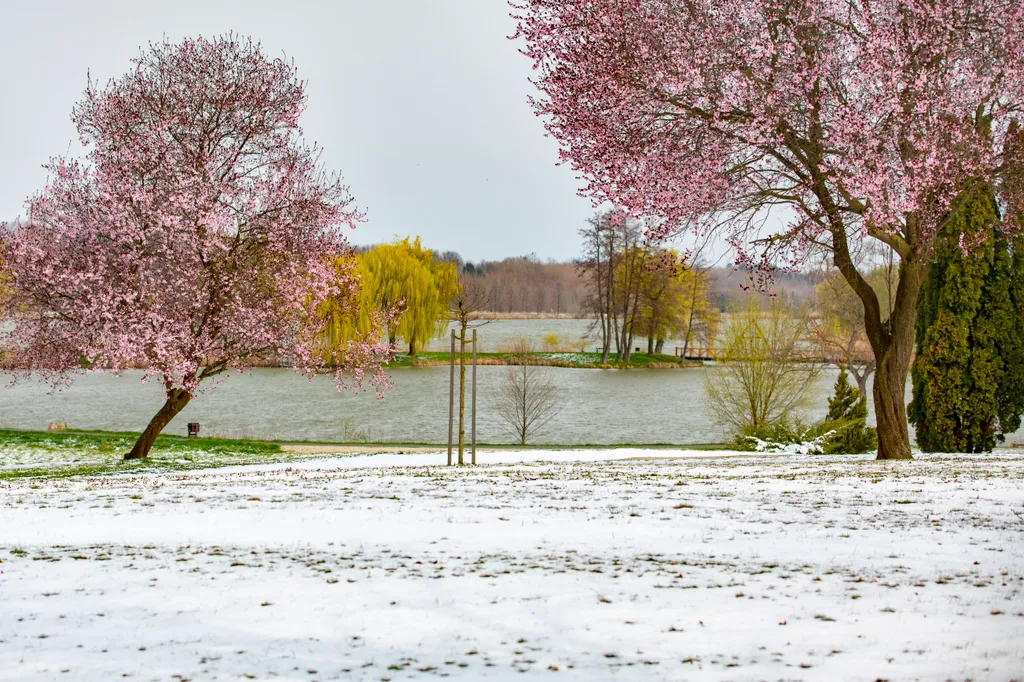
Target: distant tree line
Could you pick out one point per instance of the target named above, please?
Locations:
(523, 284)
(526, 284)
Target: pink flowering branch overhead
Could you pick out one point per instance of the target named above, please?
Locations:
(865, 120)
(200, 232)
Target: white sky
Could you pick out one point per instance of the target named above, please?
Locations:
(422, 104)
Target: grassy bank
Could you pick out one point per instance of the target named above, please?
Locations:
(83, 453)
(26, 454)
(556, 359)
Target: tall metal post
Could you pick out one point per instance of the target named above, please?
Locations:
(451, 398)
(474, 397)
(462, 397)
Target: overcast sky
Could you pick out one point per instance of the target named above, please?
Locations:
(422, 104)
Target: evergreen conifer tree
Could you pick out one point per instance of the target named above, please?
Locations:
(968, 383)
(847, 417)
(845, 399)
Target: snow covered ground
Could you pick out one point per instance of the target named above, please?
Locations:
(617, 565)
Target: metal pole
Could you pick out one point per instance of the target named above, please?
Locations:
(462, 397)
(451, 398)
(474, 397)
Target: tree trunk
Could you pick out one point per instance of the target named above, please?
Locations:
(689, 331)
(659, 346)
(862, 377)
(891, 339)
(604, 343)
(889, 394)
(650, 345)
(605, 337)
(618, 336)
(177, 399)
(523, 402)
(892, 343)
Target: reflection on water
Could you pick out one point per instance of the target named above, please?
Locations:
(600, 406)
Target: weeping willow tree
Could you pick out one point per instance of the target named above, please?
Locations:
(402, 282)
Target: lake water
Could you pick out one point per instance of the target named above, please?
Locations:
(600, 406)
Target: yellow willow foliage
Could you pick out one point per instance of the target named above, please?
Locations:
(404, 276)
(342, 326)
(671, 297)
(699, 324)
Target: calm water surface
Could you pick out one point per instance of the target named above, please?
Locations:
(600, 406)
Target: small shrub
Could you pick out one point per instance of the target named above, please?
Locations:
(779, 432)
(517, 345)
(562, 343)
(851, 438)
(843, 432)
(847, 415)
(760, 376)
(785, 437)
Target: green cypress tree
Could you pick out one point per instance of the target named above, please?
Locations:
(847, 417)
(966, 392)
(843, 402)
(1008, 320)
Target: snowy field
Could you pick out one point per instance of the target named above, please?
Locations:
(613, 565)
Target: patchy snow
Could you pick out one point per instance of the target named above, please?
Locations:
(32, 456)
(810, 447)
(485, 456)
(591, 565)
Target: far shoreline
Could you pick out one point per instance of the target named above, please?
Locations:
(566, 360)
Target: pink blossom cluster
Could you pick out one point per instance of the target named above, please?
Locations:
(706, 113)
(200, 232)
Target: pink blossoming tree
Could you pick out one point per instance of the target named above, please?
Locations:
(199, 234)
(867, 120)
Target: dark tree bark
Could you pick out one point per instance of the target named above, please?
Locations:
(892, 342)
(598, 252)
(891, 339)
(890, 409)
(861, 376)
(893, 345)
(177, 399)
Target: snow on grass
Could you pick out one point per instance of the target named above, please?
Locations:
(574, 358)
(644, 567)
(28, 456)
(34, 454)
